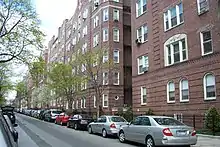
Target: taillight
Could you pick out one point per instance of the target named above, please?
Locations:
(112, 125)
(167, 132)
(194, 133)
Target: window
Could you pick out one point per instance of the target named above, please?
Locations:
(105, 34)
(170, 92)
(85, 31)
(84, 48)
(74, 41)
(77, 104)
(105, 14)
(83, 85)
(116, 34)
(96, 3)
(142, 33)
(203, 6)
(105, 57)
(116, 56)
(209, 87)
(143, 64)
(79, 35)
(73, 105)
(176, 49)
(184, 91)
(105, 100)
(173, 17)
(141, 7)
(116, 1)
(85, 13)
(105, 78)
(137, 121)
(206, 42)
(115, 14)
(84, 102)
(83, 68)
(95, 40)
(116, 78)
(143, 95)
(94, 101)
(145, 121)
(96, 21)
(81, 103)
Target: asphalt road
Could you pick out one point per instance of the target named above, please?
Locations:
(37, 133)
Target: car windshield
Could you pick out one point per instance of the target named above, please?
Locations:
(168, 122)
(56, 112)
(117, 119)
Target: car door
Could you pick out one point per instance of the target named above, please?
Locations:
(130, 129)
(94, 125)
(143, 129)
(102, 124)
(60, 117)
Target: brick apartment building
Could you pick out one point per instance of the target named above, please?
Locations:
(176, 56)
(97, 24)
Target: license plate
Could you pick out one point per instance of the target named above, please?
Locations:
(84, 122)
(181, 133)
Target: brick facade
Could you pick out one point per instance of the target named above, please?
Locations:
(193, 69)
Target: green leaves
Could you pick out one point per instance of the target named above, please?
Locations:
(20, 33)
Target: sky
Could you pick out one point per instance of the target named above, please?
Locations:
(51, 13)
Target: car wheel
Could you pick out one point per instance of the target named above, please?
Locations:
(55, 122)
(76, 126)
(104, 133)
(121, 136)
(150, 141)
(68, 125)
(90, 130)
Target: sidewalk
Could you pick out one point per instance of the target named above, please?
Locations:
(207, 141)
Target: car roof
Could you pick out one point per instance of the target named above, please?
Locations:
(155, 116)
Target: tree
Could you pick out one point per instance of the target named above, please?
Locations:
(5, 83)
(212, 120)
(92, 64)
(22, 92)
(64, 82)
(19, 30)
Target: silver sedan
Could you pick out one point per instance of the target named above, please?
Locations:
(107, 125)
(158, 131)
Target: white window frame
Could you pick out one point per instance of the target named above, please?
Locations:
(204, 86)
(84, 102)
(85, 14)
(142, 95)
(202, 42)
(167, 15)
(105, 14)
(95, 21)
(105, 34)
(117, 33)
(105, 57)
(118, 78)
(118, 55)
(85, 31)
(141, 36)
(116, 1)
(105, 78)
(77, 104)
(95, 40)
(141, 5)
(170, 41)
(94, 101)
(181, 88)
(84, 48)
(142, 58)
(95, 1)
(199, 8)
(83, 68)
(168, 96)
(103, 101)
(74, 41)
(73, 105)
(116, 14)
(81, 104)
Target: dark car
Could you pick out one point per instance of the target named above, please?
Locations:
(9, 110)
(8, 136)
(79, 121)
(42, 114)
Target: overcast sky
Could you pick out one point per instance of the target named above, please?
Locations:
(51, 13)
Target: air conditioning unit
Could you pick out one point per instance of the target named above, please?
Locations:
(115, 20)
(138, 41)
(96, 4)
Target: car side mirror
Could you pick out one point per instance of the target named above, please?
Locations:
(15, 136)
(15, 125)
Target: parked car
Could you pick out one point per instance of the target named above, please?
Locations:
(62, 119)
(107, 125)
(42, 114)
(158, 131)
(9, 111)
(79, 121)
(50, 115)
(8, 137)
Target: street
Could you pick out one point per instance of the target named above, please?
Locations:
(37, 133)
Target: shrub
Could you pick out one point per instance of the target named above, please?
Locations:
(212, 120)
(149, 112)
(128, 114)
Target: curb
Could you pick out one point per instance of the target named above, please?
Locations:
(208, 136)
